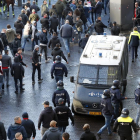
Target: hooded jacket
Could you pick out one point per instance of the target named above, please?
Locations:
(17, 69)
(16, 44)
(59, 7)
(57, 51)
(10, 35)
(53, 22)
(46, 116)
(53, 41)
(87, 135)
(35, 58)
(13, 129)
(2, 132)
(99, 26)
(52, 134)
(18, 26)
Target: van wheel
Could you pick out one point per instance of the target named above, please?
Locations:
(73, 111)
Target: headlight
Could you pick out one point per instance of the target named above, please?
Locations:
(77, 104)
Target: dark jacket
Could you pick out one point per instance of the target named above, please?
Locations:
(138, 14)
(13, 129)
(46, 116)
(53, 10)
(125, 126)
(66, 31)
(53, 41)
(52, 134)
(34, 7)
(17, 69)
(83, 42)
(2, 132)
(53, 22)
(63, 114)
(137, 95)
(134, 38)
(43, 38)
(29, 127)
(87, 135)
(35, 57)
(99, 26)
(87, 11)
(83, 16)
(106, 106)
(115, 30)
(3, 38)
(70, 18)
(57, 51)
(44, 23)
(66, 10)
(59, 69)
(1, 45)
(59, 7)
(24, 18)
(98, 8)
(19, 26)
(116, 96)
(20, 58)
(16, 44)
(60, 93)
(6, 61)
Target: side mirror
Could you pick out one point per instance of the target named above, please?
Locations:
(124, 82)
(72, 79)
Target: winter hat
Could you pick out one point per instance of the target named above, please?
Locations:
(36, 46)
(25, 115)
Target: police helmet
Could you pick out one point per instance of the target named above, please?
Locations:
(60, 100)
(106, 92)
(124, 113)
(60, 83)
(58, 59)
(116, 84)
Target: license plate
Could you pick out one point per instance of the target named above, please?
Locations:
(95, 113)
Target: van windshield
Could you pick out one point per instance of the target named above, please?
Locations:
(97, 75)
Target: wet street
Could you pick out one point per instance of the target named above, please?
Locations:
(31, 99)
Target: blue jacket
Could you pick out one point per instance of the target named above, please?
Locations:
(116, 96)
(43, 38)
(86, 10)
(13, 129)
(60, 93)
(98, 8)
(137, 95)
(59, 69)
(73, 6)
(106, 106)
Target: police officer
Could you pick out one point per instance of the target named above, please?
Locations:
(116, 98)
(124, 122)
(63, 114)
(137, 101)
(107, 111)
(58, 69)
(60, 93)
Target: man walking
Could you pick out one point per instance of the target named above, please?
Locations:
(29, 126)
(6, 64)
(24, 17)
(63, 114)
(4, 39)
(34, 16)
(17, 127)
(46, 116)
(36, 64)
(115, 30)
(67, 33)
(58, 69)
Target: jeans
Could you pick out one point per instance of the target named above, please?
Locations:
(138, 114)
(97, 15)
(100, 33)
(67, 43)
(89, 19)
(62, 128)
(16, 83)
(34, 42)
(79, 35)
(134, 51)
(107, 125)
(1, 82)
(116, 111)
(59, 20)
(57, 78)
(45, 50)
(105, 5)
(24, 42)
(39, 71)
(6, 75)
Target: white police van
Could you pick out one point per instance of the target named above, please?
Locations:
(104, 59)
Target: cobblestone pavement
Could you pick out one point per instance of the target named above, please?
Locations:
(31, 99)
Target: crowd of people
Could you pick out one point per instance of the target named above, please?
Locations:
(65, 19)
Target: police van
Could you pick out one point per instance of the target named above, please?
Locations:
(104, 59)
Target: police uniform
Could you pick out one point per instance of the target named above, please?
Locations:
(137, 101)
(125, 130)
(60, 93)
